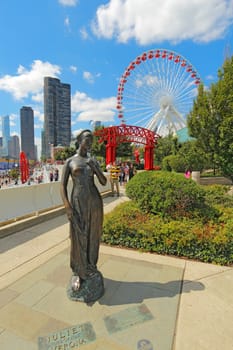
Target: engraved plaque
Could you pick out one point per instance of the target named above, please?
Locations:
(68, 338)
(127, 318)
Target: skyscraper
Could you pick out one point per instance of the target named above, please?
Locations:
(5, 135)
(14, 148)
(57, 115)
(27, 132)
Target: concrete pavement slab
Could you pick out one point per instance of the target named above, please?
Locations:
(9, 340)
(205, 318)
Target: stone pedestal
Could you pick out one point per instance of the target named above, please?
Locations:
(89, 291)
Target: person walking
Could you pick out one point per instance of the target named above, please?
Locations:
(122, 174)
(132, 171)
(56, 174)
(126, 171)
(114, 178)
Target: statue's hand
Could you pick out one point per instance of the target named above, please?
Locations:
(92, 163)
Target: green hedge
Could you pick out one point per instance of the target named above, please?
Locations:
(128, 226)
(218, 194)
(169, 214)
(169, 194)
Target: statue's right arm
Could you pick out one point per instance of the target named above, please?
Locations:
(64, 189)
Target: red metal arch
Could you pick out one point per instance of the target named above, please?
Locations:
(115, 135)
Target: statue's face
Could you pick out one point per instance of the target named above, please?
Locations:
(87, 141)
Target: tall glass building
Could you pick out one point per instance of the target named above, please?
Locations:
(57, 115)
(14, 148)
(5, 135)
(27, 132)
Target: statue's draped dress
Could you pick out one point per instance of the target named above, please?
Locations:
(86, 223)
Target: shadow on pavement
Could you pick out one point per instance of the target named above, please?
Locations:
(118, 292)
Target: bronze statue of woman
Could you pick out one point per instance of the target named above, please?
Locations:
(84, 210)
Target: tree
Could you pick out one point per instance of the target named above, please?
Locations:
(203, 123)
(14, 173)
(174, 163)
(193, 156)
(189, 157)
(124, 150)
(211, 120)
(166, 146)
(224, 99)
(98, 149)
(65, 153)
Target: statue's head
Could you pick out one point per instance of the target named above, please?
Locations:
(84, 134)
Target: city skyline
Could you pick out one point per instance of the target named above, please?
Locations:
(89, 45)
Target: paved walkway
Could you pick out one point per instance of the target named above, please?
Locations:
(151, 302)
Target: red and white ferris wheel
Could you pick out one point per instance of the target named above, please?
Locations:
(156, 91)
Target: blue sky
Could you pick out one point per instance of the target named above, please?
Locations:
(90, 43)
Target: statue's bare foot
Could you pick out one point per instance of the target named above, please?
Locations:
(75, 283)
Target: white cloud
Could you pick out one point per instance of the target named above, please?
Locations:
(76, 132)
(38, 114)
(68, 2)
(96, 115)
(210, 77)
(84, 33)
(13, 117)
(89, 77)
(37, 126)
(151, 21)
(28, 82)
(38, 97)
(73, 69)
(67, 22)
(91, 109)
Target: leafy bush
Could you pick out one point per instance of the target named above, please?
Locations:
(129, 226)
(174, 163)
(169, 194)
(218, 194)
